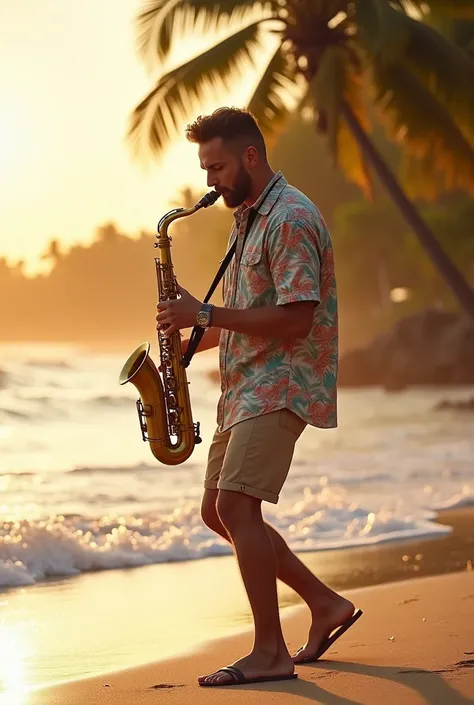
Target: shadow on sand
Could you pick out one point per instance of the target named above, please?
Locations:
(429, 684)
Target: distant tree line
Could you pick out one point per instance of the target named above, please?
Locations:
(106, 291)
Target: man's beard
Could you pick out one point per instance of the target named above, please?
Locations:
(240, 190)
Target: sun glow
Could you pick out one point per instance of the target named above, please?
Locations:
(13, 651)
(9, 140)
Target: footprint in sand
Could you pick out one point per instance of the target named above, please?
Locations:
(408, 600)
(158, 686)
(468, 663)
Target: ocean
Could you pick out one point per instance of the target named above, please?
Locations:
(83, 500)
(81, 491)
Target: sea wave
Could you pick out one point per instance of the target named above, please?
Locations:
(65, 545)
(54, 364)
(109, 400)
(15, 414)
(133, 469)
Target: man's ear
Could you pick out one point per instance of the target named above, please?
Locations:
(251, 157)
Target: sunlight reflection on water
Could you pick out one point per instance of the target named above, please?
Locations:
(14, 653)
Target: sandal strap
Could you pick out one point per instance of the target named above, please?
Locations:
(235, 672)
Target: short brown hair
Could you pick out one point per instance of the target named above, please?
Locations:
(232, 125)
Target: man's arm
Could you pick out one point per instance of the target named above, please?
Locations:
(293, 320)
(293, 257)
(209, 340)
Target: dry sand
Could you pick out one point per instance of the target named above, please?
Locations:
(413, 646)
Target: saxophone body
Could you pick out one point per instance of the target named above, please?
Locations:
(164, 405)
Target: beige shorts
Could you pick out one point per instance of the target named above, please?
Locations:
(254, 456)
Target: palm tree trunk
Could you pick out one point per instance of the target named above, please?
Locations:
(453, 277)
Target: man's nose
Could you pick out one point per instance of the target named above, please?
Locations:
(211, 181)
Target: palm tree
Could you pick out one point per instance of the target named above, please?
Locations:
(334, 56)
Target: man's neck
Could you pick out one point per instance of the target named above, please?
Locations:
(259, 185)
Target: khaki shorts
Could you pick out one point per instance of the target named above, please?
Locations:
(254, 455)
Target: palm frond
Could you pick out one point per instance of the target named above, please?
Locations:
(336, 81)
(157, 23)
(427, 130)
(419, 179)
(382, 28)
(352, 162)
(270, 102)
(445, 69)
(157, 117)
(460, 9)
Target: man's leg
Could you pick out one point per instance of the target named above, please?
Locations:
(328, 609)
(241, 516)
(252, 461)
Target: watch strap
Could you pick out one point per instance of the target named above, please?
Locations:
(207, 308)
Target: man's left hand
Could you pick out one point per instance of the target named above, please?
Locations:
(176, 314)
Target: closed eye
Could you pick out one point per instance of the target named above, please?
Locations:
(212, 167)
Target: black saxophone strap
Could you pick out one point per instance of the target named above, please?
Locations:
(198, 332)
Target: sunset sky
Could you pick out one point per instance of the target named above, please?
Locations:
(69, 77)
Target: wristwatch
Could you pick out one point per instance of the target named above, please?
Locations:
(204, 316)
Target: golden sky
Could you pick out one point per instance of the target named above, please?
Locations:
(69, 77)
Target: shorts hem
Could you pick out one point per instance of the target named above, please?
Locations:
(246, 489)
(210, 484)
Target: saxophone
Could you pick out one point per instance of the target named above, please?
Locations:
(164, 407)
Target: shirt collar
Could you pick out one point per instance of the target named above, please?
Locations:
(267, 198)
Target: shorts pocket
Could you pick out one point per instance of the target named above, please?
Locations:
(291, 422)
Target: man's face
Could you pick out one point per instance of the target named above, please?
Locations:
(226, 172)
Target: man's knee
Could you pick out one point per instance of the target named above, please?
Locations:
(209, 510)
(235, 509)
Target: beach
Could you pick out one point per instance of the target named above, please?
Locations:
(413, 645)
(184, 619)
(110, 583)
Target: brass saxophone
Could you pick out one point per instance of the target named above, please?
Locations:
(164, 406)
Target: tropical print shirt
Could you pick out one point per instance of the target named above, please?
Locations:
(287, 257)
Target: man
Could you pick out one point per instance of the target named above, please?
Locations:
(277, 337)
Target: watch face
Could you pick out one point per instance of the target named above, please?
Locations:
(203, 318)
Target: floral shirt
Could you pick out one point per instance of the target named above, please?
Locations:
(287, 257)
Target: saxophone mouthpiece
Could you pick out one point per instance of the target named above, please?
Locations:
(208, 200)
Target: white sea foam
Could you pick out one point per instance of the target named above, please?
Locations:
(80, 491)
(31, 551)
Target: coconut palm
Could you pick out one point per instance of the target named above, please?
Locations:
(333, 57)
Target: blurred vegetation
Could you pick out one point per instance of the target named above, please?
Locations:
(106, 292)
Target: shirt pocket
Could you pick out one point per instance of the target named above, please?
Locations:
(252, 256)
(255, 286)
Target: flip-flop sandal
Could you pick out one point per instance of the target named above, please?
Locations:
(326, 643)
(238, 678)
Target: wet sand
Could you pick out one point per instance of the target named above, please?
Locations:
(414, 645)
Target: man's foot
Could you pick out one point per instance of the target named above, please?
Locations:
(254, 665)
(327, 616)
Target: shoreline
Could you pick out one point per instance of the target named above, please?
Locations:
(143, 615)
(458, 519)
(411, 643)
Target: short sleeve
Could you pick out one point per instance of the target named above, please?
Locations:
(293, 252)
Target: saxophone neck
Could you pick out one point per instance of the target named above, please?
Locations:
(208, 200)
